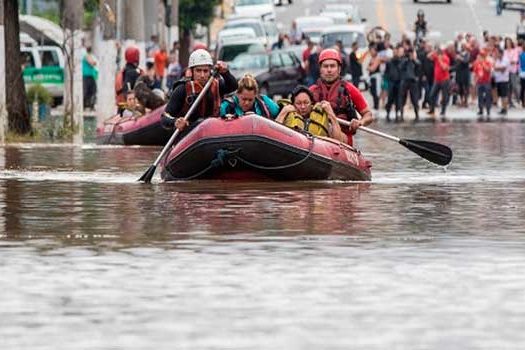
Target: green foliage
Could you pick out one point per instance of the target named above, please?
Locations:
(39, 94)
(192, 12)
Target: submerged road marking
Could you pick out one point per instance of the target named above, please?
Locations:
(400, 17)
(380, 10)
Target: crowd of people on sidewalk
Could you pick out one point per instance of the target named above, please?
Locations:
(489, 72)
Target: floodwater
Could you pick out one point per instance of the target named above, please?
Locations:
(420, 258)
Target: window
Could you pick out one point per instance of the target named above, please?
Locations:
(287, 60)
(49, 58)
(27, 59)
(276, 60)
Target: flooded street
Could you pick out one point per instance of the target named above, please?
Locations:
(420, 258)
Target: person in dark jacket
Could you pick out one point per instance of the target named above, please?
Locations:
(426, 79)
(393, 74)
(356, 69)
(409, 68)
(183, 96)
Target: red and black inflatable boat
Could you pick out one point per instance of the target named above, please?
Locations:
(145, 130)
(256, 148)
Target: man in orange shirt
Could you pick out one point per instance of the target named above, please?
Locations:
(482, 69)
(441, 80)
(161, 61)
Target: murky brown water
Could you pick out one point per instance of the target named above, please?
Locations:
(418, 259)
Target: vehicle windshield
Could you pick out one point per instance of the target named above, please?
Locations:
(329, 39)
(251, 2)
(247, 62)
(230, 52)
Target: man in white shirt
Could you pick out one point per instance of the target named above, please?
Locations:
(502, 79)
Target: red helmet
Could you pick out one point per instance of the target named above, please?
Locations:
(132, 55)
(330, 54)
(200, 46)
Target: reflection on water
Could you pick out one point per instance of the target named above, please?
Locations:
(420, 257)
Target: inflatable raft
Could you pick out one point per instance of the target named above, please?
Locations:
(256, 148)
(145, 130)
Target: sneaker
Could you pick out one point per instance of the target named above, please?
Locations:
(503, 112)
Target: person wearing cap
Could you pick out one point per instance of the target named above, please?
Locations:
(127, 77)
(345, 99)
(201, 64)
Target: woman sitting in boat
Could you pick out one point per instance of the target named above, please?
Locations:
(248, 100)
(318, 119)
(201, 64)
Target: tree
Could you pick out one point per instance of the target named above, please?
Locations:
(192, 12)
(19, 121)
(72, 18)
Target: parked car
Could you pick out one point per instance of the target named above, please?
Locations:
(263, 9)
(277, 72)
(236, 34)
(311, 26)
(346, 33)
(256, 24)
(351, 11)
(338, 16)
(509, 4)
(44, 65)
(228, 51)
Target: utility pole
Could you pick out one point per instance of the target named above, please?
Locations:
(134, 26)
(73, 102)
(3, 99)
(107, 60)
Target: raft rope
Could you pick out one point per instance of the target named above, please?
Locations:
(223, 157)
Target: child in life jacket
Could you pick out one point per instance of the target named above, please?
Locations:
(318, 119)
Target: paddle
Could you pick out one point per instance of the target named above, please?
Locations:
(148, 175)
(434, 152)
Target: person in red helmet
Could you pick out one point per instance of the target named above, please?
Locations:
(128, 76)
(346, 100)
(200, 46)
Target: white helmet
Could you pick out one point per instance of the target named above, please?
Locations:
(200, 57)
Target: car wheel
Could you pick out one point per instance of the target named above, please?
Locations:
(264, 90)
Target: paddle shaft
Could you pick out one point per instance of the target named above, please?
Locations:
(186, 117)
(148, 175)
(371, 131)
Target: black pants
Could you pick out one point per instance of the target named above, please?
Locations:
(412, 87)
(90, 91)
(374, 91)
(522, 93)
(393, 96)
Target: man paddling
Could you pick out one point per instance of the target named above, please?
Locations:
(200, 64)
(344, 97)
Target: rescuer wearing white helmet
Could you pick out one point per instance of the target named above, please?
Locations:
(185, 92)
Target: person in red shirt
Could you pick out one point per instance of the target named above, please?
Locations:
(482, 69)
(441, 81)
(161, 61)
(343, 96)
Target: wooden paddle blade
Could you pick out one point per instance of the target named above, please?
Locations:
(148, 175)
(433, 152)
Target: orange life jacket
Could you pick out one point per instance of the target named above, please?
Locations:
(339, 97)
(119, 86)
(212, 96)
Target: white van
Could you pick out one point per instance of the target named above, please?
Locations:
(44, 65)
